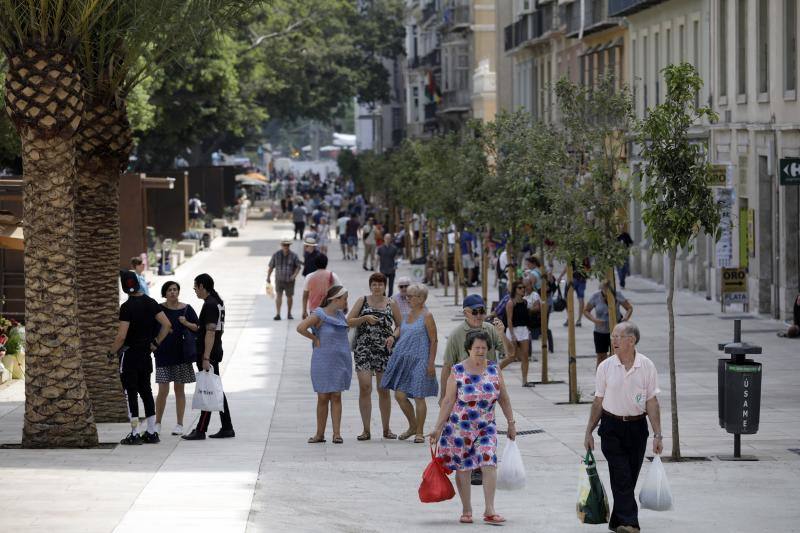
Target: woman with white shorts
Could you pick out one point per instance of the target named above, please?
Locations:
(517, 330)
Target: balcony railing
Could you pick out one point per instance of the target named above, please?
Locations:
(456, 16)
(428, 11)
(618, 8)
(531, 27)
(595, 17)
(508, 37)
(432, 58)
(457, 100)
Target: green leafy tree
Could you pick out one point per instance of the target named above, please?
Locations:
(678, 202)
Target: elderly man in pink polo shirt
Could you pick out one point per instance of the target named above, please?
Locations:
(625, 393)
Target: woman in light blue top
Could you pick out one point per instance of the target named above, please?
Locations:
(331, 362)
(410, 371)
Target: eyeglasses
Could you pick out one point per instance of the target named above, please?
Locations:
(402, 286)
(478, 311)
(618, 337)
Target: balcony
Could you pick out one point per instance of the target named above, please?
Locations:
(595, 18)
(457, 16)
(428, 12)
(432, 59)
(456, 101)
(532, 28)
(619, 8)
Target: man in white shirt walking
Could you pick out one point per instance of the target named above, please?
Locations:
(626, 386)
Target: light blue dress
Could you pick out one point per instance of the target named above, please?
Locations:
(331, 363)
(407, 368)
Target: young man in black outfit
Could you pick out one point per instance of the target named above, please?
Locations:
(136, 340)
(209, 353)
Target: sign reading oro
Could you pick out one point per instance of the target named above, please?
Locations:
(790, 170)
(734, 285)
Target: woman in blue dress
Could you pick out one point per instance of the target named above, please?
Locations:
(331, 362)
(411, 372)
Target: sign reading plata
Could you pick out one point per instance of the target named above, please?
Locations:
(790, 171)
(734, 285)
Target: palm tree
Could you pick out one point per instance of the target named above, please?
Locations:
(44, 99)
(132, 39)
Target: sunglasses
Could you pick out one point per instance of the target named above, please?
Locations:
(478, 311)
(402, 286)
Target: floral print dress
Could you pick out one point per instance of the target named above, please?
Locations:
(469, 438)
(370, 352)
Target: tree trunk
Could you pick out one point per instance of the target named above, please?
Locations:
(446, 254)
(572, 366)
(611, 298)
(485, 269)
(409, 234)
(102, 151)
(457, 268)
(673, 389)
(434, 250)
(543, 314)
(44, 100)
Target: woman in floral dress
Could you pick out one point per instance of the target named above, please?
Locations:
(374, 318)
(466, 432)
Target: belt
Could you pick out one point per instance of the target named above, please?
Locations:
(627, 418)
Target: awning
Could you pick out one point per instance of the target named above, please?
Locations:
(252, 183)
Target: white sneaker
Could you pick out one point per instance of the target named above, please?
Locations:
(178, 430)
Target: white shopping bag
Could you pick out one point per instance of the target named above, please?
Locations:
(510, 470)
(655, 494)
(208, 395)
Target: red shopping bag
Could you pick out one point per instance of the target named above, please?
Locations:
(435, 486)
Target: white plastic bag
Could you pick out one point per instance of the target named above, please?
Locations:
(208, 395)
(510, 470)
(655, 494)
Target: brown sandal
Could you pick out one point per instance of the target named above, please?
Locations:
(316, 440)
(407, 434)
(364, 436)
(389, 435)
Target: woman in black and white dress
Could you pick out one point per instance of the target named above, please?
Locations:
(172, 364)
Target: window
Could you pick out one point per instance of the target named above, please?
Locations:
(741, 47)
(548, 88)
(669, 47)
(681, 44)
(763, 46)
(601, 64)
(634, 68)
(722, 47)
(790, 45)
(644, 74)
(696, 56)
(658, 67)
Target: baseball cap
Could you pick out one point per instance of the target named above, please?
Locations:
(473, 300)
(129, 281)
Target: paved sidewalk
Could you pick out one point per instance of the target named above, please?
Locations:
(269, 479)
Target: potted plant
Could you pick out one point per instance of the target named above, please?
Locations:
(12, 347)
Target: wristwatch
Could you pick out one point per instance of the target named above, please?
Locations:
(658, 436)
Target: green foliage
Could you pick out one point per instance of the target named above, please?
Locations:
(593, 199)
(9, 140)
(678, 200)
(348, 164)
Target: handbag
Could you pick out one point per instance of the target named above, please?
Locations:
(592, 506)
(352, 333)
(559, 303)
(188, 343)
(208, 393)
(435, 486)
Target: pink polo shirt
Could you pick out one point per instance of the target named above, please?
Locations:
(625, 392)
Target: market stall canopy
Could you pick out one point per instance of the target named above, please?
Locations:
(344, 139)
(252, 177)
(11, 232)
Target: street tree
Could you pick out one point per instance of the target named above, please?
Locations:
(44, 99)
(678, 201)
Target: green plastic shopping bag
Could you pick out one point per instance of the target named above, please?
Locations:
(592, 506)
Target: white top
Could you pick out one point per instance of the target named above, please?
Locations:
(624, 392)
(307, 278)
(532, 298)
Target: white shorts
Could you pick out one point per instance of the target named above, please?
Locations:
(467, 261)
(520, 332)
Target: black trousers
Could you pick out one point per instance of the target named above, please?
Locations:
(224, 415)
(299, 228)
(623, 444)
(136, 384)
(389, 283)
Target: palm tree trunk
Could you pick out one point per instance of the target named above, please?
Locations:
(673, 389)
(103, 149)
(572, 358)
(44, 100)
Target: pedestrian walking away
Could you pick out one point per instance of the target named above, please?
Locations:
(316, 285)
(375, 318)
(518, 319)
(299, 215)
(341, 232)
(368, 234)
(625, 269)
(287, 266)
(175, 355)
(136, 339)
(579, 285)
(387, 260)
(331, 363)
(599, 304)
(323, 235)
(411, 372)
(209, 354)
(466, 431)
(626, 389)
(351, 233)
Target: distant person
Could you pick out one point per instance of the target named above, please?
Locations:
(209, 354)
(299, 214)
(323, 235)
(602, 333)
(351, 231)
(136, 339)
(625, 269)
(331, 363)
(244, 205)
(310, 254)
(173, 363)
(793, 331)
(341, 232)
(401, 298)
(196, 211)
(368, 233)
(287, 266)
(387, 261)
(317, 284)
(137, 265)
(518, 319)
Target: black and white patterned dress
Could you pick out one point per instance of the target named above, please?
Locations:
(370, 351)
